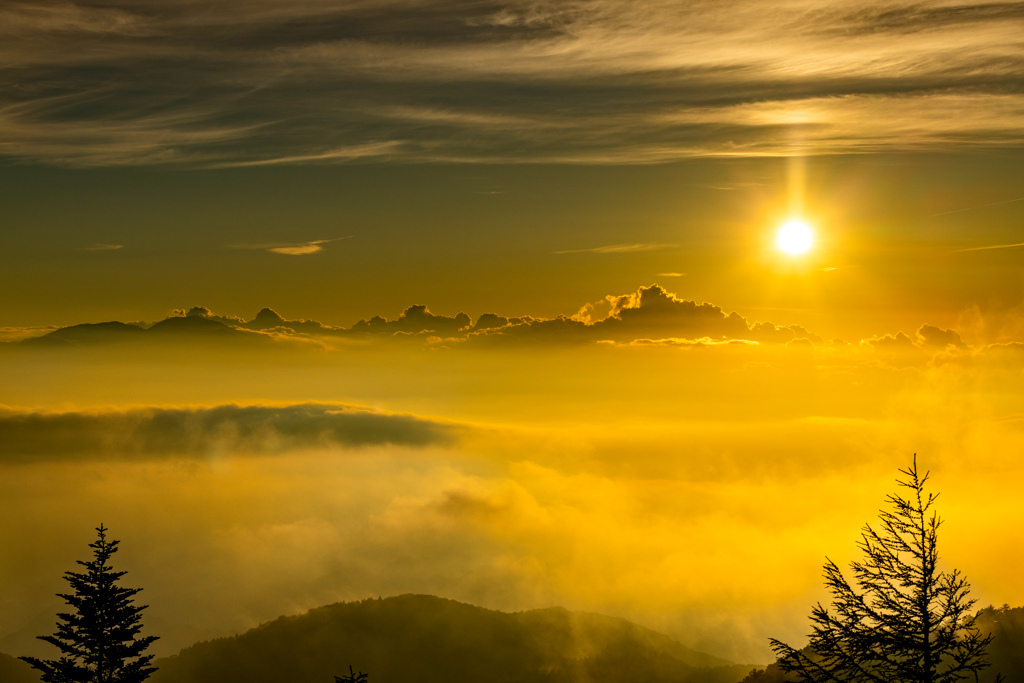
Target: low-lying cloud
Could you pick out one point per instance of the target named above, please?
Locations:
(208, 431)
(650, 316)
(590, 473)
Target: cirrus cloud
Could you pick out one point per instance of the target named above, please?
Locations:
(585, 81)
(290, 248)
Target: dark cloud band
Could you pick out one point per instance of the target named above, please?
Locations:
(651, 312)
(207, 432)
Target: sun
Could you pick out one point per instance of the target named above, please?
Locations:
(795, 237)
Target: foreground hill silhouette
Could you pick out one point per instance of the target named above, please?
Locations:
(423, 639)
(419, 638)
(16, 671)
(1006, 652)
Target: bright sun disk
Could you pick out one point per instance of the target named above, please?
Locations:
(795, 237)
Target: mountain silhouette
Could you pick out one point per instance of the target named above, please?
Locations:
(423, 639)
(1006, 653)
(15, 671)
(89, 333)
(192, 325)
(267, 317)
(177, 329)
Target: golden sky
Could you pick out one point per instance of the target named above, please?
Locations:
(533, 340)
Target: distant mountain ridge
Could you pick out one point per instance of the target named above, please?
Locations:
(649, 313)
(426, 639)
(177, 327)
(422, 639)
(88, 333)
(191, 325)
(15, 671)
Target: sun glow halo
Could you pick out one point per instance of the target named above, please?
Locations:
(795, 237)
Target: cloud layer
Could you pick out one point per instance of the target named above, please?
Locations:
(587, 81)
(681, 477)
(650, 316)
(649, 313)
(207, 432)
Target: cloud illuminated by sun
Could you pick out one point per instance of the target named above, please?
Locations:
(795, 237)
(291, 249)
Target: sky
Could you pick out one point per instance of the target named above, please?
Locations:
(529, 339)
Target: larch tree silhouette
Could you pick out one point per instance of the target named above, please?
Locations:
(99, 641)
(352, 677)
(901, 619)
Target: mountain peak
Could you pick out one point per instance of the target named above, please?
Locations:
(88, 333)
(268, 315)
(191, 324)
(424, 638)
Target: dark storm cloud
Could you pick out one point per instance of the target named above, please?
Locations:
(596, 81)
(207, 432)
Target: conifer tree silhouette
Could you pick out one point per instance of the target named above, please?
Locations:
(352, 677)
(99, 640)
(902, 619)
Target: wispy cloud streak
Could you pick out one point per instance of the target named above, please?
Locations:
(972, 208)
(994, 246)
(585, 81)
(292, 248)
(620, 248)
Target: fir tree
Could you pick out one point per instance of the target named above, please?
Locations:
(902, 619)
(99, 640)
(352, 677)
